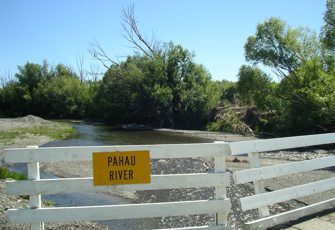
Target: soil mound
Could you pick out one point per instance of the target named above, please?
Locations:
(30, 119)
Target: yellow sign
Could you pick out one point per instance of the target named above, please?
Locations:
(129, 167)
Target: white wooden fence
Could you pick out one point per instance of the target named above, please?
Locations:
(34, 186)
(257, 174)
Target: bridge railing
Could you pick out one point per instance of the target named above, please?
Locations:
(257, 174)
(36, 215)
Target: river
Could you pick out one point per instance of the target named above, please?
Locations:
(90, 134)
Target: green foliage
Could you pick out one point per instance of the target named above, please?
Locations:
(309, 102)
(62, 97)
(29, 76)
(169, 90)
(6, 173)
(227, 91)
(327, 35)
(14, 99)
(280, 47)
(46, 92)
(303, 101)
(256, 88)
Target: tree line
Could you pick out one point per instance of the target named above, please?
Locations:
(161, 85)
(168, 91)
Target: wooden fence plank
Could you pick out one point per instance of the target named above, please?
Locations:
(84, 153)
(273, 171)
(255, 162)
(112, 212)
(35, 201)
(73, 185)
(221, 190)
(243, 147)
(277, 196)
(291, 215)
(209, 227)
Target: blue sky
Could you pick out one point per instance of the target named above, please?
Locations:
(215, 30)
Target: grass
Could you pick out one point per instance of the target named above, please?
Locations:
(55, 130)
(6, 173)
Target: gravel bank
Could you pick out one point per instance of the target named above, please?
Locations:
(214, 136)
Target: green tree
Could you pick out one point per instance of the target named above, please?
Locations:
(118, 92)
(13, 100)
(327, 35)
(63, 71)
(168, 90)
(296, 56)
(228, 91)
(62, 97)
(29, 75)
(47, 92)
(311, 108)
(280, 47)
(256, 88)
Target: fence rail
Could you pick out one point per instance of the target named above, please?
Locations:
(114, 212)
(256, 146)
(256, 174)
(73, 185)
(84, 153)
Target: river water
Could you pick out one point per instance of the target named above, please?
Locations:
(89, 134)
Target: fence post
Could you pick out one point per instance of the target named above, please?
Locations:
(254, 162)
(33, 169)
(221, 191)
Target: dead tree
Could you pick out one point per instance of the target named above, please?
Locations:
(100, 54)
(131, 32)
(80, 66)
(6, 78)
(94, 72)
(133, 35)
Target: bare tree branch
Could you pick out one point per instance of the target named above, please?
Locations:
(94, 72)
(134, 36)
(80, 66)
(6, 78)
(99, 53)
(131, 32)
